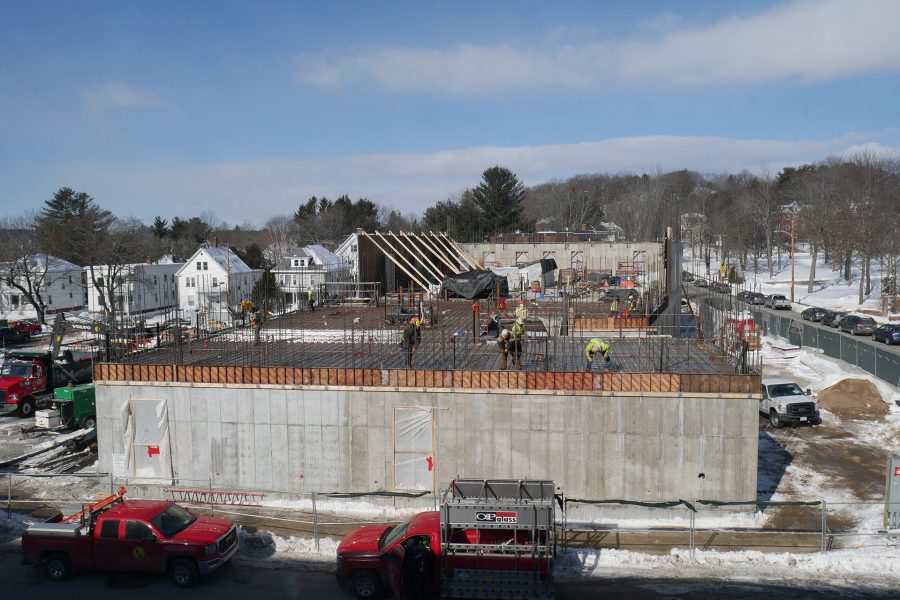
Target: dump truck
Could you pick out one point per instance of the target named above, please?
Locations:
(490, 539)
(28, 378)
(148, 536)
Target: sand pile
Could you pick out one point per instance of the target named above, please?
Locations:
(854, 399)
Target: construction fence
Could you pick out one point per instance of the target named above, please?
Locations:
(652, 527)
(883, 363)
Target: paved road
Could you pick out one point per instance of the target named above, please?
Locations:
(243, 581)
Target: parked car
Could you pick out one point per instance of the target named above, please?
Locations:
(777, 302)
(889, 334)
(856, 325)
(829, 317)
(687, 276)
(758, 298)
(700, 282)
(785, 403)
(27, 325)
(813, 314)
(11, 335)
(744, 295)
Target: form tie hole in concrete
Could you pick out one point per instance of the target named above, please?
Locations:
(701, 476)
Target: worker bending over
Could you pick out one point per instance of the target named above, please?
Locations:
(504, 344)
(594, 346)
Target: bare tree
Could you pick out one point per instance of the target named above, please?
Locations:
(24, 266)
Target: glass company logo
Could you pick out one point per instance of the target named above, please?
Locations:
(497, 517)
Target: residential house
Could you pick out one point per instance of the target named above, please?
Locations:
(210, 282)
(60, 282)
(348, 251)
(139, 288)
(308, 267)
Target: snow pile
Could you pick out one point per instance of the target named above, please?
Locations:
(12, 527)
(350, 507)
(260, 548)
(878, 565)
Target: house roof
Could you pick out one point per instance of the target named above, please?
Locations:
(318, 255)
(51, 264)
(224, 257)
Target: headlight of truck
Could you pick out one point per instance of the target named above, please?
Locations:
(211, 549)
(13, 398)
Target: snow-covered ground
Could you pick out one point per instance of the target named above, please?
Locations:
(830, 289)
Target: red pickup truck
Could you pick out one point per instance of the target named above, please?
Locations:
(481, 547)
(135, 535)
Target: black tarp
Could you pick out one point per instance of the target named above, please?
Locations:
(547, 264)
(475, 284)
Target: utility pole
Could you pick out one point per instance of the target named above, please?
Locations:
(792, 258)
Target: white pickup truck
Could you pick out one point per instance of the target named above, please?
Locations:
(785, 403)
(777, 302)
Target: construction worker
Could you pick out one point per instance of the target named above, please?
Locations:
(614, 307)
(594, 346)
(256, 320)
(521, 310)
(310, 298)
(504, 341)
(411, 337)
(518, 341)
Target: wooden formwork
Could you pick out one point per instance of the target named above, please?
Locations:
(421, 378)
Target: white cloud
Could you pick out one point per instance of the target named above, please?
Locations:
(257, 190)
(807, 40)
(119, 95)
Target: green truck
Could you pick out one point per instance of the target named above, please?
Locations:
(73, 407)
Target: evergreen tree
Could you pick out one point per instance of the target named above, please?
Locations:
(67, 217)
(499, 199)
(160, 227)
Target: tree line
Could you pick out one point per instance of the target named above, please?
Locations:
(845, 210)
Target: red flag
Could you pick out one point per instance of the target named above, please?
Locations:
(430, 463)
(151, 450)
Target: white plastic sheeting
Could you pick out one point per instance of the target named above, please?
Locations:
(413, 448)
(148, 453)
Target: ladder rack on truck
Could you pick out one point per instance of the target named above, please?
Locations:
(498, 539)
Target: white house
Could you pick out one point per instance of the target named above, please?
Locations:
(213, 279)
(139, 289)
(348, 251)
(60, 282)
(307, 267)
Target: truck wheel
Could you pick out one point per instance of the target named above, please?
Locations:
(89, 422)
(366, 585)
(775, 420)
(184, 572)
(26, 408)
(57, 566)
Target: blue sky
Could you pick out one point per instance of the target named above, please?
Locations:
(244, 110)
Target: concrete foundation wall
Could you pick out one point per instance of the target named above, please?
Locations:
(625, 446)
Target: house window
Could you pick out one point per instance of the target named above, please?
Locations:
(70, 294)
(70, 279)
(49, 299)
(191, 300)
(296, 262)
(99, 282)
(205, 266)
(199, 264)
(215, 281)
(155, 280)
(294, 280)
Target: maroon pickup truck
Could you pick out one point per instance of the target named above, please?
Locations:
(135, 535)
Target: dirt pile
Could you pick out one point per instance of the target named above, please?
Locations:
(854, 399)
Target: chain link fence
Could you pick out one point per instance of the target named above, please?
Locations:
(651, 527)
(884, 363)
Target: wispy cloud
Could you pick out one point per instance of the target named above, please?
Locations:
(807, 40)
(119, 95)
(256, 190)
